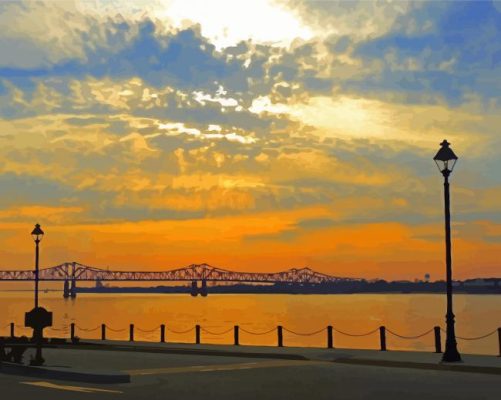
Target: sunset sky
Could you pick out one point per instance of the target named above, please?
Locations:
(251, 135)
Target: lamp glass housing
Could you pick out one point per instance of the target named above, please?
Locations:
(37, 233)
(445, 158)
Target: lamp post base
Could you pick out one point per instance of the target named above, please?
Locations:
(451, 354)
(37, 362)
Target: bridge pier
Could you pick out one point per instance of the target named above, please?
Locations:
(194, 288)
(66, 289)
(73, 289)
(203, 290)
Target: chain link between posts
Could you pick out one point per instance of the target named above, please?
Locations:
(410, 337)
(356, 334)
(304, 334)
(115, 330)
(472, 338)
(179, 332)
(216, 333)
(87, 329)
(257, 333)
(63, 329)
(148, 330)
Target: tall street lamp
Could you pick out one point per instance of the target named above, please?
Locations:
(37, 235)
(445, 160)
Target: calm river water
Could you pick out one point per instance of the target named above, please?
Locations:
(404, 314)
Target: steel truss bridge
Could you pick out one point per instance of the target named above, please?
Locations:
(71, 272)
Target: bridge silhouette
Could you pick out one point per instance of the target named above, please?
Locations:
(71, 272)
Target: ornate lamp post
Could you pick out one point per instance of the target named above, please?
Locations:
(445, 160)
(37, 235)
(38, 318)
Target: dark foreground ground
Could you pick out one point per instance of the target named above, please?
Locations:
(321, 375)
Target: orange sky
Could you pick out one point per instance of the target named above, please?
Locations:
(158, 137)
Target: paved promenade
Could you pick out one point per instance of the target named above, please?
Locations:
(185, 371)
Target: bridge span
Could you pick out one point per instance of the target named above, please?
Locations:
(71, 272)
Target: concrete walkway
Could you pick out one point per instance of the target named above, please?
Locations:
(404, 359)
(97, 361)
(188, 371)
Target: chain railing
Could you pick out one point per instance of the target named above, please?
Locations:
(475, 337)
(279, 330)
(304, 334)
(116, 330)
(216, 333)
(258, 333)
(149, 330)
(410, 337)
(356, 334)
(87, 329)
(180, 332)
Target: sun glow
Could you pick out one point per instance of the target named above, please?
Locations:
(227, 22)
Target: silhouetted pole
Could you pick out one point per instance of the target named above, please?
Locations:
(37, 235)
(451, 352)
(162, 333)
(438, 340)
(12, 332)
(235, 334)
(280, 336)
(103, 331)
(330, 340)
(445, 156)
(37, 254)
(131, 332)
(72, 331)
(382, 337)
(197, 334)
(499, 340)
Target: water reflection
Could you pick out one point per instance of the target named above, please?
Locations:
(408, 315)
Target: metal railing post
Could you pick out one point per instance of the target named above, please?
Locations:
(72, 331)
(280, 336)
(103, 331)
(235, 334)
(382, 337)
(131, 332)
(162, 333)
(438, 340)
(499, 339)
(330, 339)
(197, 334)
(12, 332)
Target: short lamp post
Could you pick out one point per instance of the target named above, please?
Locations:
(445, 160)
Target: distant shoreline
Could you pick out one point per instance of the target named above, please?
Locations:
(338, 288)
(471, 286)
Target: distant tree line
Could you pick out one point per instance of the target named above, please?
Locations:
(487, 286)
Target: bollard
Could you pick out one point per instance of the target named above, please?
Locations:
(131, 332)
(72, 331)
(382, 337)
(12, 333)
(197, 334)
(103, 332)
(235, 333)
(499, 339)
(280, 336)
(438, 340)
(330, 339)
(162, 333)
